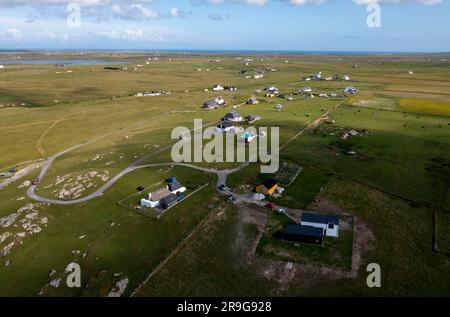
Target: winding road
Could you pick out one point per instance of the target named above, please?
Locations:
(222, 175)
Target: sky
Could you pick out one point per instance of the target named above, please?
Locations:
(255, 25)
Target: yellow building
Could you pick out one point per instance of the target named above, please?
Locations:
(268, 187)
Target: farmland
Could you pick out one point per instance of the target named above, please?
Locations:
(392, 176)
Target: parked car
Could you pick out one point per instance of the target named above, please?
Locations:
(222, 187)
(13, 170)
(35, 181)
(270, 206)
(281, 211)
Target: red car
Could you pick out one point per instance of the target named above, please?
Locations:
(270, 206)
(35, 182)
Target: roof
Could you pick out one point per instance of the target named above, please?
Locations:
(233, 115)
(323, 219)
(299, 230)
(175, 186)
(169, 199)
(270, 183)
(160, 194)
(210, 103)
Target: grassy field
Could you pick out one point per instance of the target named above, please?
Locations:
(396, 178)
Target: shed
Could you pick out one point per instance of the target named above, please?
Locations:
(303, 234)
(268, 187)
(168, 201)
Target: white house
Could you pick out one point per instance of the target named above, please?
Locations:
(2, 66)
(272, 89)
(218, 88)
(306, 90)
(329, 223)
(317, 76)
(155, 198)
(233, 117)
(350, 90)
(220, 101)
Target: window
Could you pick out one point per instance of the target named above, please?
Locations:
(331, 226)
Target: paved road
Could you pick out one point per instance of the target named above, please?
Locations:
(20, 174)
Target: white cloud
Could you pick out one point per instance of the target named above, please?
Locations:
(12, 34)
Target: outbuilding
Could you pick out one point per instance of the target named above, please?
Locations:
(268, 187)
(252, 101)
(302, 234)
(168, 201)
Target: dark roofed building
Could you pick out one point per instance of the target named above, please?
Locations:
(210, 104)
(168, 201)
(175, 186)
(303, 234)
(318, 218)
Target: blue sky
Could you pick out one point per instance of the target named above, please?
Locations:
(315, 25)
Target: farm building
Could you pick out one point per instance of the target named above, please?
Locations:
(214, 103)
(233, 117)
(303, 234)
(252, 118)
(268, 187)
(328, 223)
(217, 88)
(252, 101)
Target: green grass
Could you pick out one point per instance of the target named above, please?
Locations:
(304, 189)
(404, 153)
